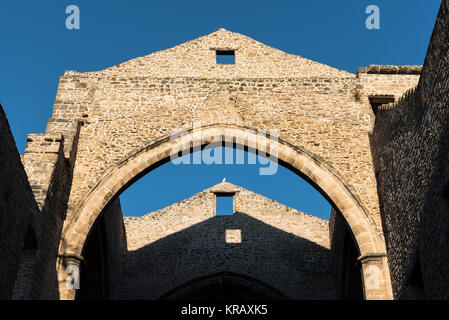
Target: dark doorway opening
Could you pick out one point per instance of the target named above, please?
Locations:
(94, 278)
(415, 284)
(24, 279)
(224, 286)
(351, 284)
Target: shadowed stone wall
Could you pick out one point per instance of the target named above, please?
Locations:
(34, 201)
(280, 246)
(17, 211)
(411, 144)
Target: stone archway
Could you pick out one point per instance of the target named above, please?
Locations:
(224, 286)
(369, 239)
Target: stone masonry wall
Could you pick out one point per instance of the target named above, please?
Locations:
(284, 248)
(411, 140)
(316, 107)
(17, 209)
(48, 161)
(49, 175)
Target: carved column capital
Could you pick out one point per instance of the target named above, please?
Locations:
(372, 257)
(67, 259)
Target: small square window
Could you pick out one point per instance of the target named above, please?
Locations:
(225, 56)
(233, 236)
(225, 205)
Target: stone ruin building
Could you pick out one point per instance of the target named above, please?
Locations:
(375, 144)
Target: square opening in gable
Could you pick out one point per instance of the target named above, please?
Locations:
(225, 204)
(225, 56)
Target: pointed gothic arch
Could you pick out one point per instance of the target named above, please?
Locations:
(321, 175)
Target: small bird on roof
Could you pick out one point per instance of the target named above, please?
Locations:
(224, 180)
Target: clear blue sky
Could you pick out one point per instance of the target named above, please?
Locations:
(36, 49)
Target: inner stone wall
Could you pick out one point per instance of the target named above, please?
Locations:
(280, 246)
